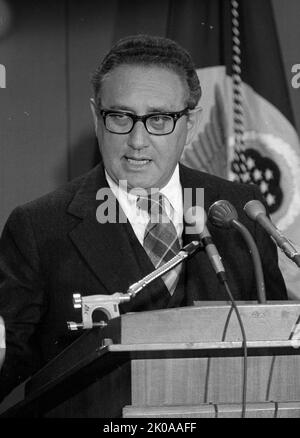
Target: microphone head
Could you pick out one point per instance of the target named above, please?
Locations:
(254, 208)
(222, 213)
(195, 218)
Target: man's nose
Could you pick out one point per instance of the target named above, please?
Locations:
(138, 137)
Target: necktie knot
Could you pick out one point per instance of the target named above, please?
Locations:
(155, 205)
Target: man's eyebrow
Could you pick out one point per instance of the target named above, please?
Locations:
(159, 109)
(151, 109)
(120, 108)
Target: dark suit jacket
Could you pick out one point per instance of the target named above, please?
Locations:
(54, 246)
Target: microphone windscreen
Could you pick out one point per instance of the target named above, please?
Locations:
(222, 213)
(254, 208)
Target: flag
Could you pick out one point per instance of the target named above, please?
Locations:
(247, 131)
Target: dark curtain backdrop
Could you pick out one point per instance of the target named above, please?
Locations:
(49, 49)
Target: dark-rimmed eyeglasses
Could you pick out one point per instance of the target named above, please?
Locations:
(121, 122)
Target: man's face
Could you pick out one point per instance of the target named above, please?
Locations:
(142, 159)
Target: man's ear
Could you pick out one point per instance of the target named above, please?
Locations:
(94, 113)
(193, 122)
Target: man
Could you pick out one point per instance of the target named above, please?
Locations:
(145, 112)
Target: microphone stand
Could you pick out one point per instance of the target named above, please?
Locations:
(259, 275)
(109, 304)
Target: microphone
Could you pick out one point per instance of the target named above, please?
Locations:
(256, 211)
(224, 215)
(196, 216)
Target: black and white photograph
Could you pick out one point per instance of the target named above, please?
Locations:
(149, 211)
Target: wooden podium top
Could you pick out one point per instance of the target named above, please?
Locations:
(205, 323)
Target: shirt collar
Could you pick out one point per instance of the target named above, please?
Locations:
(172, 191)
(120, 191)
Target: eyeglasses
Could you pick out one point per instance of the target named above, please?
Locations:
(119, 122)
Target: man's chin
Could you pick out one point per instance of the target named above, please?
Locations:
(142, 182)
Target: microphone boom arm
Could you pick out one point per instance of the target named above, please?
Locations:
(179, 258)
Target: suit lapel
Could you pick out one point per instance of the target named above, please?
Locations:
(105, 247)
(197, 181)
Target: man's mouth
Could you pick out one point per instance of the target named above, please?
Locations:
(138, 161)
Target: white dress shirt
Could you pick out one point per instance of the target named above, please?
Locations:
(138, 217)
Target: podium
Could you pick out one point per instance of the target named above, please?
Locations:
(182, 362)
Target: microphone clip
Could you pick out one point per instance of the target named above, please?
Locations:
(108, 304)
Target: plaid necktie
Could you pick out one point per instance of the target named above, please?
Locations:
(160, 240)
